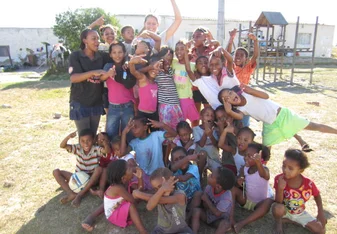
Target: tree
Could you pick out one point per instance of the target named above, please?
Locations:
(70, 24)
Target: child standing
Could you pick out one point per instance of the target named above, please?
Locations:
(279, 123)
(206, 138)
(217, 201)
(128, 34)
(183, 84)
(171, 203)
(119, 205)
(87, 156)
(148, 146)
(293, 190)
(121, 98)
(254, 180)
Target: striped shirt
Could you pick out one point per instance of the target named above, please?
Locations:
(167, 91)
(86, 162)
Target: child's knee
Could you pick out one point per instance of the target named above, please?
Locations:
(278, 210)
(196, 212)
(56, 173)
(315, 227)
(98, 170)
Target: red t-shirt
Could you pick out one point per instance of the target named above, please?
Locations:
(104, 161)
(295, 198)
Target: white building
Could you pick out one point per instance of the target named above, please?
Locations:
(324, 41)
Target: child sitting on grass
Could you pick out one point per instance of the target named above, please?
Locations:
(216, 200)
(171, 203)
(292, 191)
(119, 205)
(87, 156)
(254, 180)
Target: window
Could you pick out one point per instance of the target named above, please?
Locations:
(304, 40)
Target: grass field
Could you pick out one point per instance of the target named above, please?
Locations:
(29, 151)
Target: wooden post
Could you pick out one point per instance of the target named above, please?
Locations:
(313, 51)
(294, 51)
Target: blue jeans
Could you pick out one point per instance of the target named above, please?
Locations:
(245, 121)
(119, 114)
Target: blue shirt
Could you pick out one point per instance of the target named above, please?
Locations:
(149, 153)
(191, 185)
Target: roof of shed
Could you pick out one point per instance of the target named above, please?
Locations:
(268, 18)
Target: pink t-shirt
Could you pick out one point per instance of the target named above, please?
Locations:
(117, 93)
(148, 97)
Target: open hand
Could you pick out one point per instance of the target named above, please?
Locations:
(155, 124)
(168, 185)
(129, 126)
(72, 135)
(138, 173)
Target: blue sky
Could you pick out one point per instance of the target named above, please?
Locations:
(37, 13)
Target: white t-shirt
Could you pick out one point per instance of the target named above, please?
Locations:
(260, 109)
(210, 88)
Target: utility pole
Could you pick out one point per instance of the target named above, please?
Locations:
(221, 22)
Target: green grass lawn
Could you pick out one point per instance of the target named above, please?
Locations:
(29, 151)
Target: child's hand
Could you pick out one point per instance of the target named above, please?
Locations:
(168, 185)
(240, 181)
(321, 218)
(193, 157)
(208, 129)
(227, 105)
(281, 183)
(232, 33)
(111, 72)
(135, 193)
(257, 157)
(137, 59)
(145, 34)
(138, 173)
(129, 126)
(155, 124)
(99, 21)
(125, 65)
(230, 128)
(72, 135)
(98, 73)
(251, 36)
(217, 52)
(188, 46)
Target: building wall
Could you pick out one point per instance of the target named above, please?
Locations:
(324, 41)
(24, 38)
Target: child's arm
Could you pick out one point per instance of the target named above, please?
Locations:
(121, 191)
(223, 142)
(126, 130)
(98, 22)
(256, 48)
(175, 25)
(154, 36)
(229, 61)
(228, 108)
(167, 186)
(254, 92)
(80, 77)
(263, 171)
(279, 190)
(210, 206)
(232, 35)
(64, 143)
(141, 77)
(177, 165)
(320, 212)
(139, 175)
(189, 71)
(241, 178)
(208, 132)
(169, 131)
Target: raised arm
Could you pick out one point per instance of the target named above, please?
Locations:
(256, 48)
(176, 23)
(281, 184)
(222, 140)
(125, 131)
(154, 36)
(254, 92)
(189, 71)
(141, 77)
(263, 171)
(64, 143)
(177, 165)
(98, 22)
(170, 132)
(232, 35)
(229, 61)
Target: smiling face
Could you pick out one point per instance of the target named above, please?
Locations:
(202, 66)
(240, 57)
(180, 51)
(291, 169)
(108, 35)
(86, 143)
(92, 41)
(151, 24)
(244, 139)
(215, 66)
(117, 54)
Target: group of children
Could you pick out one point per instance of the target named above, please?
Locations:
(161, 152)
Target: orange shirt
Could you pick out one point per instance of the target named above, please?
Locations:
(243, 73)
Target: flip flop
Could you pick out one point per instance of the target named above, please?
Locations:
(306, 148)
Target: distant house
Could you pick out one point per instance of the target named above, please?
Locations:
(324, 41)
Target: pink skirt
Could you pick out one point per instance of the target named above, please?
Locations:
(189, 110)
(120, 216)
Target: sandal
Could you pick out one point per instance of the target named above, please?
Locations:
(306, 148)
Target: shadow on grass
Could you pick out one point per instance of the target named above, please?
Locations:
(41, 84)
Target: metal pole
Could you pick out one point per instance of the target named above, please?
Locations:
(294, 51)
(221, 21)
(313, 51)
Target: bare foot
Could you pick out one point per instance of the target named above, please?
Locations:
(278, 229)
(68, 198)
(77, 201)
(98, 192)
(237, 227)
(87, 224)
